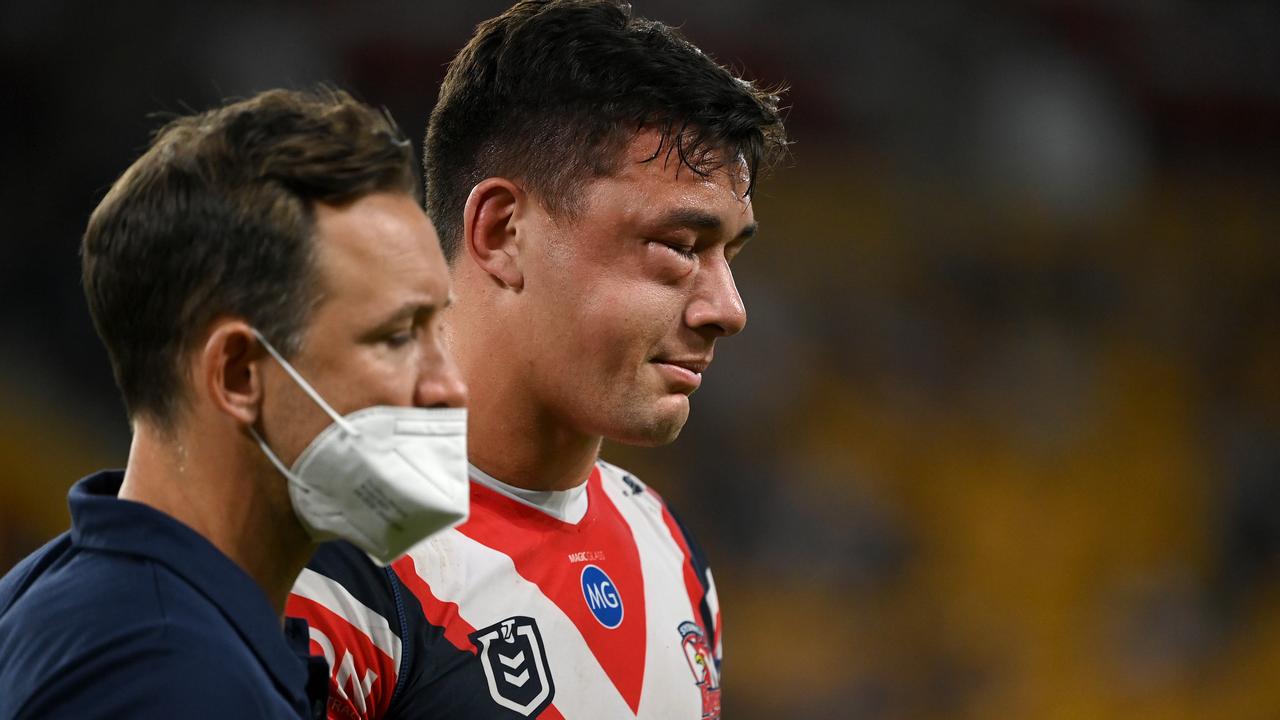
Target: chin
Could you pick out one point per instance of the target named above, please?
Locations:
(660, 426)
(651, 438)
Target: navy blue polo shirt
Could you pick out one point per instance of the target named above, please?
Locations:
(132, 614)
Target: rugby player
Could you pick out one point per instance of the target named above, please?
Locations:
(590, 173)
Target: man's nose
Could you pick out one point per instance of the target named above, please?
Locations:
(716, 304)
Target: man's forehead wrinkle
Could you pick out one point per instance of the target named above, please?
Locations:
(644, 195)
(705, 221)
(423, 303)
(692, 217)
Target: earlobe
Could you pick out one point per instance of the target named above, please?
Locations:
(229, 371)
(490, 225)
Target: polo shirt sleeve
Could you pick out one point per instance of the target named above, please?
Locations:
(155, 680)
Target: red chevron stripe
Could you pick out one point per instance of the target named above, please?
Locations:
(551, 554)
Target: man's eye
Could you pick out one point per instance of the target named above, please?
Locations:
(401, 339)
(681, 250)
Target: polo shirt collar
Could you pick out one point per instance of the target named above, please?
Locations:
(102, 521)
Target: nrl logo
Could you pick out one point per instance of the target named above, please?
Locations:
(515, 664)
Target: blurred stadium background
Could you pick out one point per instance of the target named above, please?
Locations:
(1002, 439)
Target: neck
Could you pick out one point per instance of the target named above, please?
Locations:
(228, 502)
(510, 434)
(517, 444)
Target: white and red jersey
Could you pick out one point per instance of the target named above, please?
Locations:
(525, 610)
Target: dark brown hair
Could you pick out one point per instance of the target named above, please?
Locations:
(216, 219)
(551, 91)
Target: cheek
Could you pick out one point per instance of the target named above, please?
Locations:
(291, 422)
(628, 322)
(599, 322)
(580, 346)
(376, 375)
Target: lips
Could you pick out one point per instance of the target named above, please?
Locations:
(694, 364)
(683, 373)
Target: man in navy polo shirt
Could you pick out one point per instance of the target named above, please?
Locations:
(268, 292)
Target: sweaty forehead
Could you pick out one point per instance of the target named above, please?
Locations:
(652, 180)
(647, 151)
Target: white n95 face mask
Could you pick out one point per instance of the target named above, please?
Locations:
(383, 478)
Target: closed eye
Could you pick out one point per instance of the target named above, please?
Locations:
(684, 251)
(403, 338)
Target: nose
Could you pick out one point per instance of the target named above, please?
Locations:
(716, 305)
(440, 383)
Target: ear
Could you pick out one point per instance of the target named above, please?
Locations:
(228, 370)
(489, 227)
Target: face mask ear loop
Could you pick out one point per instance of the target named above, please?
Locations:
(306, 387)
(271, 455)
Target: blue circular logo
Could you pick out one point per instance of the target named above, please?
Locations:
(602, 596)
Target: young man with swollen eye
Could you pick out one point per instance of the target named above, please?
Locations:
(590, 173)
(269, 293)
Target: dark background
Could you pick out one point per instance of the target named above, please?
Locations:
(1002, 438)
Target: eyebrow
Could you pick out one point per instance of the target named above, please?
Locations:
(414, 308)
(701, 220)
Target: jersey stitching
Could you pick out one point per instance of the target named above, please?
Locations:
(164, 616)
(406, 646)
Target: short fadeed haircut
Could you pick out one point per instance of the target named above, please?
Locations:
(216, 219)
(551, 91)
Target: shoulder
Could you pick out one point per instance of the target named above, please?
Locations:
(343, 591)
(616, 478)
(76, 602)
(355, 611)
(89, 602)
(120, 655)
(620, 483)
(20, 577)
(161, 675)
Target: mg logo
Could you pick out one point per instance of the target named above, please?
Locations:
(602, 597)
